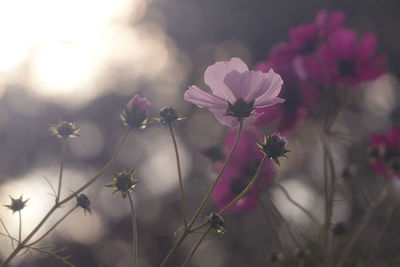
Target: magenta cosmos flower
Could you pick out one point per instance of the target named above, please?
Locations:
(346, 61)
(306, 38)
(300, 96)
(384, 153)
(235, 91)
(240, 171)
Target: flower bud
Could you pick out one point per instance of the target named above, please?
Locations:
(136, 112)
(273, 147)
(217, 222)
(123, 182)
(339, 229)
(65, 129)
(168, 115)
(84, 203)
(16, 204)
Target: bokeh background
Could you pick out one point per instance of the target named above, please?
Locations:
(82, 61)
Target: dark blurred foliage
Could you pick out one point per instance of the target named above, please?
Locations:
(257, 25)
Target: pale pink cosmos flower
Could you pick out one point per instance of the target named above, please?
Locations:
(235, 91)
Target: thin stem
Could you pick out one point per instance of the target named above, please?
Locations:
(291, 200)
(378, 242)
(63, 145)
(246, 190)
(134, 231)
(228, 159)
(196, 228)
(56, 205)
(102, 171)
(275, 232)
(360, 227)
(196, 247)
(178, 166)
(8, 233)
(20, 227)
(53, 227)
(205, 199)
(287, 226)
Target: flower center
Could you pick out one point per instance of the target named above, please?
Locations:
(238, 185)
(240, 109)
(293, 99)
(346, 68)
(309, 47)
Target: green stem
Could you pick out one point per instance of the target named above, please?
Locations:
(134, 231)
(196, 247)
(61, 170)
(102, 171)
(275, 232)
(178, 166)
(53, 227)
(8, 233)
(378, 242)
(56, 205)
(205, 199)
(360, 227)
(247, 189)
(20, 227)
(291, 200)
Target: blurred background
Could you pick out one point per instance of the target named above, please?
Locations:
(82, 61)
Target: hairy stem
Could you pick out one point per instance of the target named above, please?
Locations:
(246, 190)
(53, 227)
(291, 200)
(360, 227)
(57, 205)
(178, 166)
(187, 260)
(275, 231)
(63, 145)
(134, 231)
(204, 201)
(20, 227)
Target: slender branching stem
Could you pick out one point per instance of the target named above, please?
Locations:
(298, 205)
(20, 227)
(8, 233)
(53, 227)
(187, 260)
(246, 190)
(285, 223)
(178, 166)
(57, 205)
(378, 242)
(196, 228)
(275, 231)
(360, 227)
(204, 201)
(63, 145)
(134, 232)
(102, 171)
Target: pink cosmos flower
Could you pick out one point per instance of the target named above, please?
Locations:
(240, 171)
(235, 91)
(384, 153)
(345, 61)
